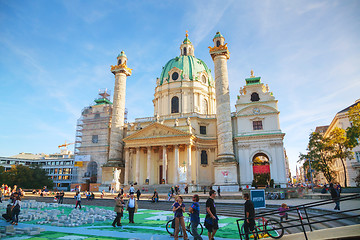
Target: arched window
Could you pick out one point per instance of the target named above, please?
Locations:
(217, 43)
(175, 76)
(204, 159)
(119, 62)
(185, 51)
(175, 105)
(255, 97)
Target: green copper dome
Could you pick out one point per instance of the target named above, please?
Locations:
(218, 34)
(190, 66)
(186, 40)
(122, 54)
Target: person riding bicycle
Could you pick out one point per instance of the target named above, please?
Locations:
(249, 222)
(195, 217)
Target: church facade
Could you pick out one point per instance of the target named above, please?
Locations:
(193, 137)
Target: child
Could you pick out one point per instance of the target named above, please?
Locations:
(283, 212)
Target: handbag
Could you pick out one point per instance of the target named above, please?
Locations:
(173, 223)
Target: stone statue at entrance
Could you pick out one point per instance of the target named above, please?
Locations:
(116, 179)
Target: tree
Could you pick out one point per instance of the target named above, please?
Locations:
(341, 150)
(353, 132)
(319, 152)
(26, 177)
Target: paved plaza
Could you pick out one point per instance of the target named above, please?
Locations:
(39, 220)
(49, 220)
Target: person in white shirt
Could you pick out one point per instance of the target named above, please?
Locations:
(132, 190)
(131, 207)
(78, 200)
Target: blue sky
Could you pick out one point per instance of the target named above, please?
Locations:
(56, 55)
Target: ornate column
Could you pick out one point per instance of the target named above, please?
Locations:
(148, 165)
(198, 161)
(164, 163)
(121, 71)
(137, 173)
(176, 170)
(188, 167)
(127, 166)
(225, 164)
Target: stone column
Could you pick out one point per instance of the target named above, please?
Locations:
(198, 161)
(127, 166)
(137, 173)
(120, 71)
(148, 165)
(225, 164)
(176, 170)
(223, 111)
(164, 163)
(188, 167)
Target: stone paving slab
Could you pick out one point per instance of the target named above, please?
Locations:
(352, 231)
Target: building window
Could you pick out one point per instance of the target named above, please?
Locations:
(175, 76)
(204, 160)
(257, 125)
(95, 139)
(97, 115)
(203, 79)
(202, 129)
(255, 97)
(218, 43)
(357, 156)
(185, 51)
(119, 62)
(175, 105)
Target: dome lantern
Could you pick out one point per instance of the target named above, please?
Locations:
(186, 48)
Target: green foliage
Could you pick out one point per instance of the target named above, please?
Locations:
(320, 152)
(341, 151)
(26, 177)
(353, 132)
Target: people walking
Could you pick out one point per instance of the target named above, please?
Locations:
(131, 207)
(16, 206)
(131, 190)
(211, 219)
(138, 194)
(195, 217)
(179, 209)
(335, 195)
(249, 223)
(61, 197)
(218, 191)
(78, 200)
(119, 209)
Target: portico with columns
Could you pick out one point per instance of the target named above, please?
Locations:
(159, 154)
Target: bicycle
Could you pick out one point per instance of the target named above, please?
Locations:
(170, 227)
(264, 228)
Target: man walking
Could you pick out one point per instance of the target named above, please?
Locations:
(195, 217)
(131, 207)
(335, 195)
(249, 222)
(211, 220)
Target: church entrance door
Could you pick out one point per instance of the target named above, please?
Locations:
(261, 169)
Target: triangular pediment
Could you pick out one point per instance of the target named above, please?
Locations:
(156, 130)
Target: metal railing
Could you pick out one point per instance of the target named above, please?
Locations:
(300, 221)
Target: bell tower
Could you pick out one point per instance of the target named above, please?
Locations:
(121, 72)
(225, 165)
